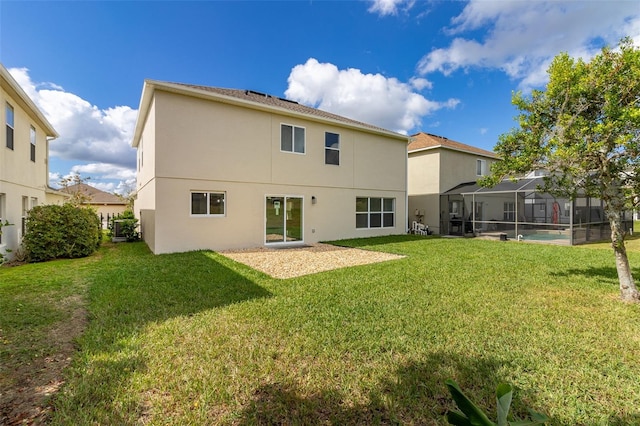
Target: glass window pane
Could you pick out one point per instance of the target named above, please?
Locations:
(294, 219)
(388, 204)
(275, 210)
(198, 203)
(375, 220)
(216, 203)
(362, 220)
(9, 137)
(332, 140)
(286, 138)
(362, 204)
(9, 116)
(376, 204)
(298, 133)
(332, 156)
(388, 220)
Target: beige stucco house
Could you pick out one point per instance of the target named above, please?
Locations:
(436, 165)
(104, 203)
(24, 151)
(223, 169)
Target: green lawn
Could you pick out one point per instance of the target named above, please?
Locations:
(196, 338)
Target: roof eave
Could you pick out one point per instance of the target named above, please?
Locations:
(428, 148)
(29, 105)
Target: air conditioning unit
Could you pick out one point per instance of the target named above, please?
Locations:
(118, 234)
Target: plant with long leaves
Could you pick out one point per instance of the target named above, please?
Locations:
(471, 415)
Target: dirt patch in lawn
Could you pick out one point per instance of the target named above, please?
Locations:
(25, 389)
(295, 261)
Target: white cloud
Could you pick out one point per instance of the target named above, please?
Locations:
(104, 170)
(522, 37)
(389, 7)
(371, 98)
(87, 133)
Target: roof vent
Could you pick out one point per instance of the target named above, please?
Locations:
(253, 92)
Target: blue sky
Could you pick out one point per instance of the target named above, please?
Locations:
(443, 67)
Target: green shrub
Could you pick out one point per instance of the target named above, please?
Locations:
(61, 231)
(128, 225)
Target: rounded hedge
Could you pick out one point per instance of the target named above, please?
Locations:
(61, 231)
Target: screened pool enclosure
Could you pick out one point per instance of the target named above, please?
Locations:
(518, 210)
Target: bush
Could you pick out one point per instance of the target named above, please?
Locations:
(65, 231)
(128, 226)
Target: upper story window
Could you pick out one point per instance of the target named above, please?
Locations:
(332, 148)
(292, 139)
(32, 139)
(208, 203)
(9, 121)
(481, 167)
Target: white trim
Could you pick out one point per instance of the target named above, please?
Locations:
(293, 139)
(264, 217)
(382, 212)
(429, 148)
(195, 215)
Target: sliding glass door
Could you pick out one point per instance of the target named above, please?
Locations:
(283, 222)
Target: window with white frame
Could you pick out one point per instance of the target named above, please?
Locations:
(332, 148)
(509, 212)
(32, 139)
(9, 121)
(481, 167)
(375, 212)
(292, 138)
(208, 203)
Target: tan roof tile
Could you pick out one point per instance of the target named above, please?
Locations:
(421, 141)
(95, 195)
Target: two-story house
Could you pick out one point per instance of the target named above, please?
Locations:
(224, 168)
(436, 165)
(24, 170)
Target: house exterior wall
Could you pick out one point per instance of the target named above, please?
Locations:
(432, 172)
(192, 144)
(23, 182)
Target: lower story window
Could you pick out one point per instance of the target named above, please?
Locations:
(375, 212)
(208, 203)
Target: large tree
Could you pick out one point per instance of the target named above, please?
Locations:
(584, 130)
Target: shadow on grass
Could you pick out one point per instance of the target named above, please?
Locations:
(128, 290)
(415, 395)
(609, 274)
(379, 241)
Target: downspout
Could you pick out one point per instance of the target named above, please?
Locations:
(406, 191)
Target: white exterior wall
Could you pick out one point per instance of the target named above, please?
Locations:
(191, 144)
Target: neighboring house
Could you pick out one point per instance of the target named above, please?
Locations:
(24, 151)
(104, 203)
(435, 165)
(225, 169)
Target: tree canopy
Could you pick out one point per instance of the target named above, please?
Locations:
(584, 130)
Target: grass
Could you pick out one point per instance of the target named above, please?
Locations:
(196, 338)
